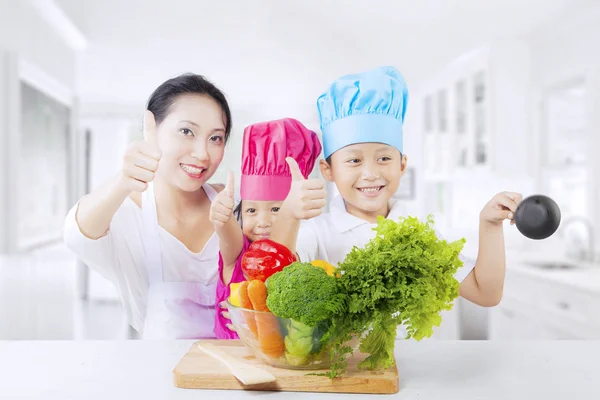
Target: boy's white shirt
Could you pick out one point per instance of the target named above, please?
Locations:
(332, 235)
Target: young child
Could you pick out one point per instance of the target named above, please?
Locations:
(265, 182)
(362, 118)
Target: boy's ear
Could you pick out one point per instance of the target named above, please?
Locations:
(404, 163)
(325, 170)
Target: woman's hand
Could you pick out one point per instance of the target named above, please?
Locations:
(96, 209)
(141, 159)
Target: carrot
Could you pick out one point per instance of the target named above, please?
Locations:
(269, 334)
(246, 303)
(257, 292)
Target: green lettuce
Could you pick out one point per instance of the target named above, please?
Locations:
(404, 275)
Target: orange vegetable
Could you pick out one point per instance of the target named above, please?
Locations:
(269, 333)
(246, 303)
(257, 292)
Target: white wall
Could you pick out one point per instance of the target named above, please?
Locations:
(4, 152)
(24, 37)
(413, 149)
(562, 54)
(110, 138)
(23, 31)
(511, 66)
(110, 135)
(566, 51)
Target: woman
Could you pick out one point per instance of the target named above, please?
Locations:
(147, 229)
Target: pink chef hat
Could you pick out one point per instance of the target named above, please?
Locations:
(265, 173)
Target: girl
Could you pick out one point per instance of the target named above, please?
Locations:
(147, 229)
(265, 183)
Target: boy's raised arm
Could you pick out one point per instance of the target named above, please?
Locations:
(485, 284)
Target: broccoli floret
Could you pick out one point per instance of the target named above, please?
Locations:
(303, 293)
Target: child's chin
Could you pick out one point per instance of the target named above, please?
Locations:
(259, 237)
(375, 204)
(371, 208)
(370, 205)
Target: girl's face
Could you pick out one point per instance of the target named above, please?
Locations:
(192, 141)
(258, 217)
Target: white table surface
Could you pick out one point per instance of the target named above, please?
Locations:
(428, 370)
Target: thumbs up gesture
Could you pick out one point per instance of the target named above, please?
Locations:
(221, 209)
(141, 158)
(307, 197)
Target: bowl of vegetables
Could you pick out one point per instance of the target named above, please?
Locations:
(286, 320)
(301, 315)
(283, 342)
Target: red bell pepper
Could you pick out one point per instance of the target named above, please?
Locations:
(264, 258)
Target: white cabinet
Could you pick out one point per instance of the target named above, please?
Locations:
(513, 321)
(464, 321)
(475, 127)
(475, 112)
(449, 328)
(534, 308)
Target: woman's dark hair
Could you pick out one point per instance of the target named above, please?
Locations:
(165, 95)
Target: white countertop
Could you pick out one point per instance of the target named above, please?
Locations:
(585, 278)
(430, 369)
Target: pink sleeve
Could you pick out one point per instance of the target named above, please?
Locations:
(223, 291)
(237, 275)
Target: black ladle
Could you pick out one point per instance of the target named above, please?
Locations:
(537, 217)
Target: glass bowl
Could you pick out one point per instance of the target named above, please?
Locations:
(282, 342)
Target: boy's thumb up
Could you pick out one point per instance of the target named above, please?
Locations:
(294, 169)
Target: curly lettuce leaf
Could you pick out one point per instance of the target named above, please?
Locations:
(404, 275)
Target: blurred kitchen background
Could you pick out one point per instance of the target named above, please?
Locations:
(504, 95)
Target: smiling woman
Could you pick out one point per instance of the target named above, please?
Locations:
(147, 229)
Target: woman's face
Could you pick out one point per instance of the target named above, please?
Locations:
(192, 141)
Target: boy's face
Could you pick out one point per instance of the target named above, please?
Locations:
(367, 175)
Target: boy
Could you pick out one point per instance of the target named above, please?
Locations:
(361, 117)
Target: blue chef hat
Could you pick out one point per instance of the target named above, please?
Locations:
(364, 107)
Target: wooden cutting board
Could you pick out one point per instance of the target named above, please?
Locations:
(197, 370)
